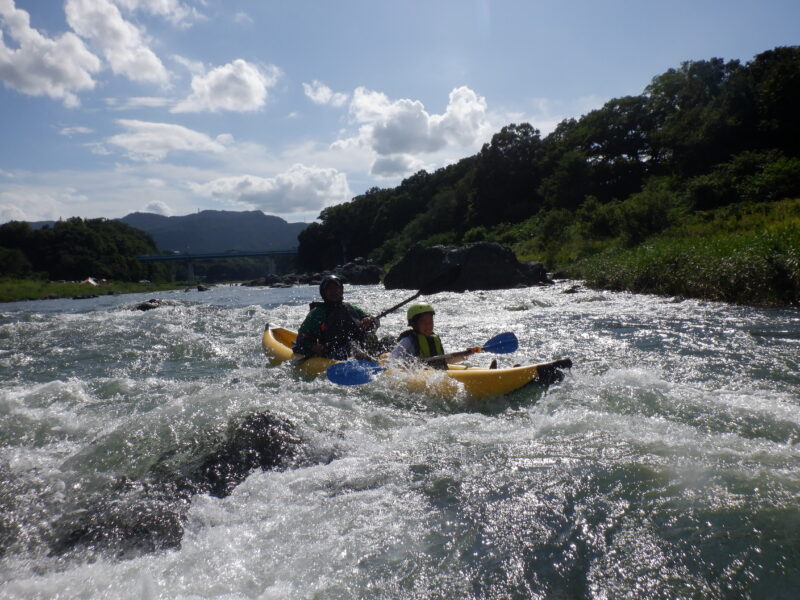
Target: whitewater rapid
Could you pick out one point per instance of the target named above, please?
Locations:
(665, 465)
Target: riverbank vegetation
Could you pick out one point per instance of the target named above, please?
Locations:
(75, 249)
(12, 290)
(688, 189)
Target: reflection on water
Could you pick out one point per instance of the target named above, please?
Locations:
(664, 466)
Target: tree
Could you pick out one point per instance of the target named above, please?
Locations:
(507, 177)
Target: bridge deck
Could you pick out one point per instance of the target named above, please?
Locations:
(211, 255)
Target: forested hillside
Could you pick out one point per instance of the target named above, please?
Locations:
(706, 136)
(75, 249)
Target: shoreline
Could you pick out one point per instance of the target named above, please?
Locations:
(21, 290)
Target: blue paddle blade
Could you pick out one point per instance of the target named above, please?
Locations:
(353, 372)
(502, 343)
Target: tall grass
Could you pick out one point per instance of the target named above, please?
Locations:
(745, 267)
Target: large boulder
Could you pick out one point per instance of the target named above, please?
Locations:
(360, 272)
(129, 516)
(479, 266)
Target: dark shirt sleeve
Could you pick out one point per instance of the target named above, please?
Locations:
(308, 333)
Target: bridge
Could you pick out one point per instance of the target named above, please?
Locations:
(190, 258)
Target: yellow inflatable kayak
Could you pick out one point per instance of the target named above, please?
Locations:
(476, 382)
(277, 343)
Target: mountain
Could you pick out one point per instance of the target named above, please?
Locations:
(40, 224)
(218, 231)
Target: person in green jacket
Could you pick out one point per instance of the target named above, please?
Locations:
(333, 328)
(420, 341)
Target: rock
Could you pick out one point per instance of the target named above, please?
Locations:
(481, 266)
(130, 521)
(148, 304)
(359, 272)
(130, 517)
(261, 440)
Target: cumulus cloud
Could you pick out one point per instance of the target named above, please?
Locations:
(30, 204)
(299, 189)
(41, 66)
(121, 42)
(159, 207)
(395, 166)
(397, 131)
(238, 86)
(146, 141)
(319, 93)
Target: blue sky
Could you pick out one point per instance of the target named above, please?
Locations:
(173, 106)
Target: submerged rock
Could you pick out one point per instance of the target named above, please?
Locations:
(259, 441)
(127, 517)
(148, 304)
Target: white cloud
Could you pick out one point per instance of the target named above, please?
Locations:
(159, 207)
(28, 204)
(395, 166)
(238, 86)
(399, 131)
(404, 126)
(41, 66)
(120, 41)
(146, 141)
(464, 120)
(299, 189)
(320, 93)
(138, 102)
(172, 10)
(195, 67)
(70, 131)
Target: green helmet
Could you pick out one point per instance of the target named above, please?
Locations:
(418, 309)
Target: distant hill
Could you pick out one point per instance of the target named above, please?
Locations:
(218, 231)
(40, 224)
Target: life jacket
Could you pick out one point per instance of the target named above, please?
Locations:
(426, 346)
(339, 329)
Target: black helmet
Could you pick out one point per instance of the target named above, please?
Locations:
(327, 279)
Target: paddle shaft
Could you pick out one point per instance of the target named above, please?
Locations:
(396, 306)
(453, 355)
(437, 284)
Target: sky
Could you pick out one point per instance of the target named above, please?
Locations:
(108, 107)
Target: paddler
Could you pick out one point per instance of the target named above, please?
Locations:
(333, 328)
(420, 342)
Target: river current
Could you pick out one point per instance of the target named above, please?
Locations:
(665, 465)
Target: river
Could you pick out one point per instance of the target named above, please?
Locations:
(665, 465)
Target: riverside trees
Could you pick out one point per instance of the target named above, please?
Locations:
(702, 136)
(75, 249)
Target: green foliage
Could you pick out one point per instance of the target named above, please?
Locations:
(751, 176)
(13, 263)
(706, 135)
(749, 256)
(13, 290)
(76, 249)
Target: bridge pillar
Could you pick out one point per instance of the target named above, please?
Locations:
(270, 265)
(190, 270)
